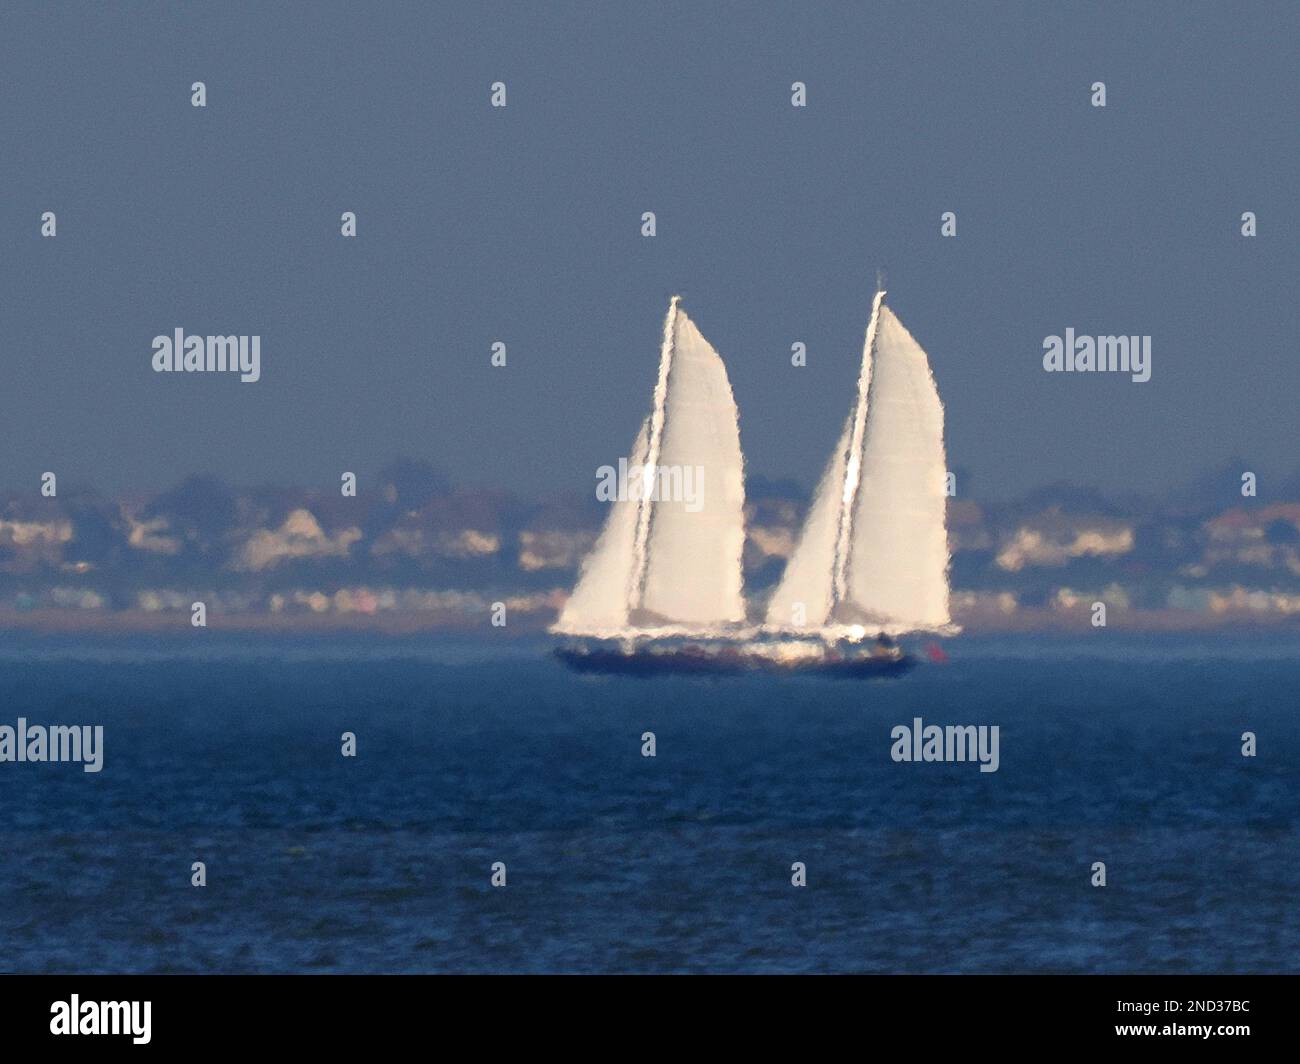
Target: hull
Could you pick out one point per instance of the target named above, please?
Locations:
(729, 659)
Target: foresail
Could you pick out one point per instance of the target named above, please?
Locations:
(600, 601)
(897, 571)
(696, 530)
(806, 593)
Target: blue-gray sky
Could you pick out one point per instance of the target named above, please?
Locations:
(523, 225)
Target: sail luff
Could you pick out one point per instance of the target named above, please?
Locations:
(644, 515)
(853, 465)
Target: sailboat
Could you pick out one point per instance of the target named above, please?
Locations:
(662, 591)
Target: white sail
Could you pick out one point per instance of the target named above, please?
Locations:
(669, 555)
(600, 600)
(897, 572)
(696, 529)
(874, 549)
(806, 593)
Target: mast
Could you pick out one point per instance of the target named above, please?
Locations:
(650, 471)
(853, 466)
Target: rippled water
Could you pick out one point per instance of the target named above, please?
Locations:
(474, 752)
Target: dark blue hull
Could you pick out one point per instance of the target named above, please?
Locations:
(688, 661)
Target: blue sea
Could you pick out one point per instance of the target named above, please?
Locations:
(1113, 749)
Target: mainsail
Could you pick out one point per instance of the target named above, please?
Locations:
(667, 556)
(874, 548)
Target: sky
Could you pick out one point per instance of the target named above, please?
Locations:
(523, 225)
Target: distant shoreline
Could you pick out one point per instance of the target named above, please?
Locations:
(1075, 620)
